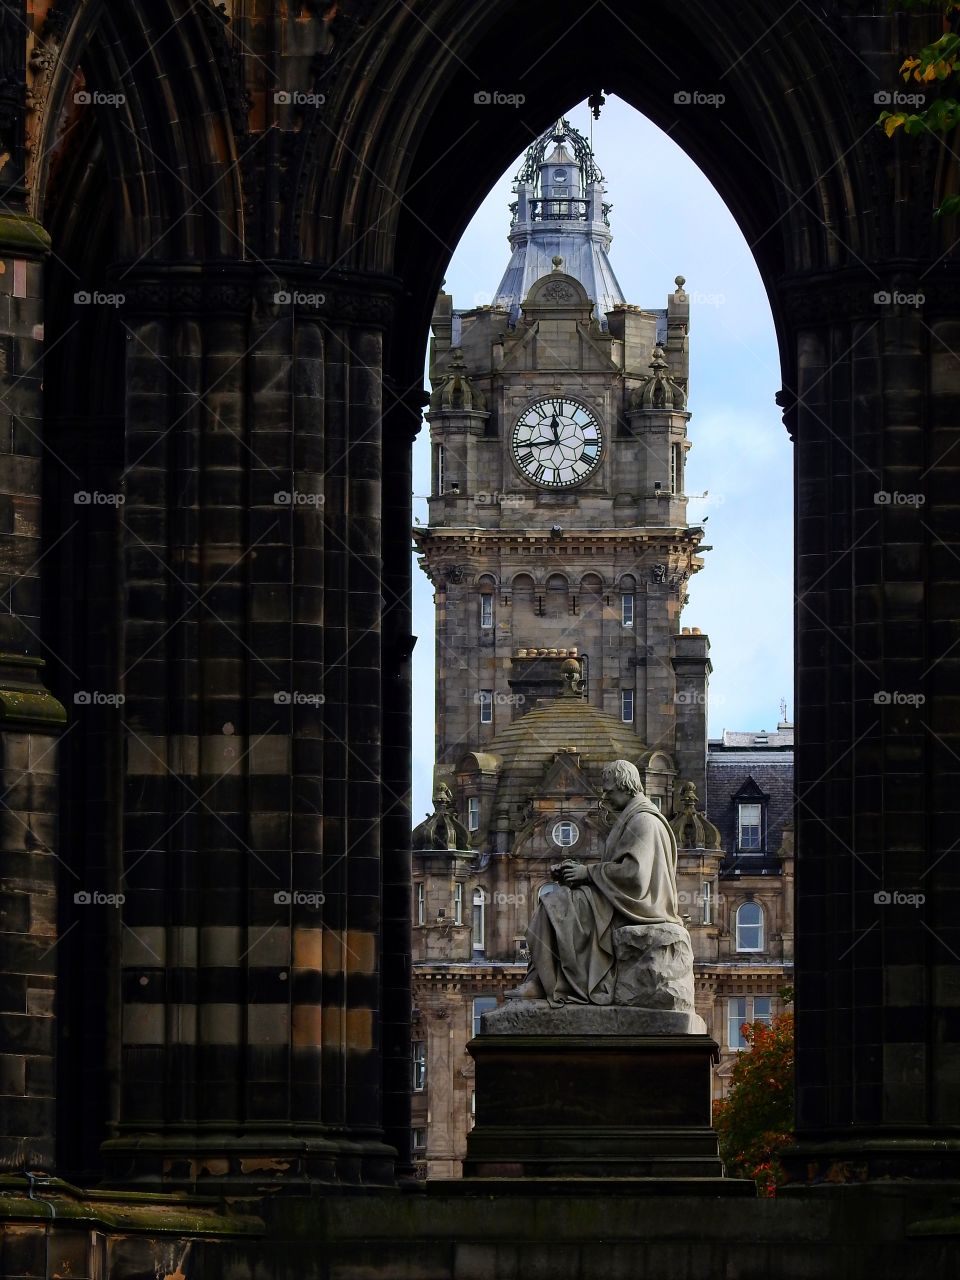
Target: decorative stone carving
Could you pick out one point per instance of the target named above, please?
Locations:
(442, 830)
(690, 824)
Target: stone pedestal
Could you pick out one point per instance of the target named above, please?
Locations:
(594, 1092)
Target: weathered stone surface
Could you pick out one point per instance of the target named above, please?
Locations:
(538, 1017)
(654, 967)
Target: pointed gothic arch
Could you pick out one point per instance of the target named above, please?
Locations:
(363, 202)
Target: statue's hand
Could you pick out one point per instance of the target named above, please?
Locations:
(573, 873)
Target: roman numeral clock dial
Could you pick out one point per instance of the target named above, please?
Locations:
(557, 443)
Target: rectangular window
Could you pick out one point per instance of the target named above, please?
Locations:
(421, 902)
(746, 1009)
(736, 1017)
(479, 923)
(658, 801)
(626, 610)
(676, 464)
(486, 706)
(626, 706)
(482, 1005)
(763, 1009)
(706, 899)
(458, 903)
(419, 1139)
(750, 821)
(486, 609)
(419, 1048)
(441, 479)
(473, 813)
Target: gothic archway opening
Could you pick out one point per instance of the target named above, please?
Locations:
(368, 208)
(538, 550)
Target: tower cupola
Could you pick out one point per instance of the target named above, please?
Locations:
(560, 212)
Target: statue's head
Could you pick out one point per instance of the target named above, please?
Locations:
(621, 781)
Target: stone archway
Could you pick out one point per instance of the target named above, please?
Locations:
(276, 346)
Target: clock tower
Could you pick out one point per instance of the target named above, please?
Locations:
(557, 515)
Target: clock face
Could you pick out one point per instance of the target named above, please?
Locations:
(557, 442)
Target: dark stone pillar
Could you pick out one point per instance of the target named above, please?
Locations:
(253, 849)
(402, 421)
(877, 431)
(30, 723)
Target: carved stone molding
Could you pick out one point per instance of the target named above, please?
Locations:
(309, 292)
(861, 294)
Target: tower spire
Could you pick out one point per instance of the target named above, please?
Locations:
(560, 212)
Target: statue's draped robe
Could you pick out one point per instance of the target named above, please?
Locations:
(571, 933)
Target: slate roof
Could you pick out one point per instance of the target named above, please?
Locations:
(737, 763)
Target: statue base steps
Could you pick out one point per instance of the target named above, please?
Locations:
(594, 1093)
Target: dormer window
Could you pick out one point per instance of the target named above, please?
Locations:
(751, 811)
(749, 828)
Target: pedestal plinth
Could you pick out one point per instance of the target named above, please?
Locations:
(594, 1092)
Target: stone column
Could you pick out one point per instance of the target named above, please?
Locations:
(878, 736)
(402, 420)
(252, 850)
(30, 723)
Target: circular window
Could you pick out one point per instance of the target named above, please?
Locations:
(565, 834)
(559, 175)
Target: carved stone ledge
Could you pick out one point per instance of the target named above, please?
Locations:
(25, 703)
(311, 293)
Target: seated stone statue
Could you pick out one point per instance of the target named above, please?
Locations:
(611, 933)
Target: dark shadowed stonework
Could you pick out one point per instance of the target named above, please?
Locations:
(245, 246)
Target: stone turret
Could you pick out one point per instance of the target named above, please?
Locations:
(690, 824)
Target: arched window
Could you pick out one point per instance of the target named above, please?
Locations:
(558, 596)
(591, 598)
(487, 589)
(524, 604)
(628, 600)
(479, 922)
(749, 927)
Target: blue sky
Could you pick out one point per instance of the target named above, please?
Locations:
(668, 220)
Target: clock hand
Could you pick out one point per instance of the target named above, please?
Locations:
(555, 428)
